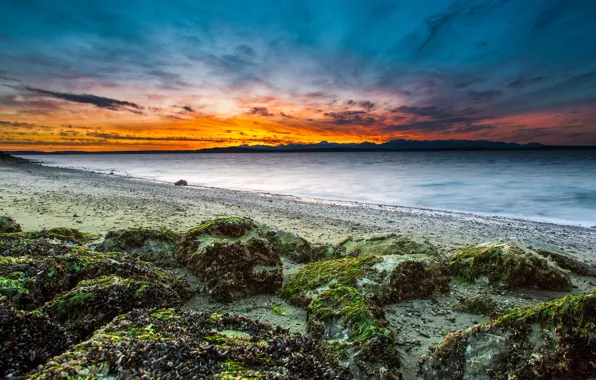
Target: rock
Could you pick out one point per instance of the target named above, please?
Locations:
(386, 245)
(156, 246)
(508, 266)
(9, 225)
(182, 182)
(165, 343)
(34, 271)
(294, 247)
(231, 258)
(93, 303)
(344, 296)
(568, 262)
(385, 279)
(556, 339)
(482, 304)
(28, 340)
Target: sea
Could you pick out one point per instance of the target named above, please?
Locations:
(554, 186)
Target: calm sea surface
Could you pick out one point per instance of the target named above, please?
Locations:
(555, 186)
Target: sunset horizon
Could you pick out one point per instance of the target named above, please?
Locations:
(108, 77)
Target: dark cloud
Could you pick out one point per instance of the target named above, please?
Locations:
(262, 111)
(351, 117)
(481, 96)
(98, 101)
(522, 82)
(546, 18)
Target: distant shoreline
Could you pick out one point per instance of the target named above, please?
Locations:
(320, 150)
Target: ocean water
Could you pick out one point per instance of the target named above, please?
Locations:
(556, 186)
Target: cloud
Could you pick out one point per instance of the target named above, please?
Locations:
(351, 117)
(481, 96)
(98, 101)
(522, 82)
(262, 111)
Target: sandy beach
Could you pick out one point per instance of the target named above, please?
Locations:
(41, 197)
(46, 197)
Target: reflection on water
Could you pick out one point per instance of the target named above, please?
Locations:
(551, 185)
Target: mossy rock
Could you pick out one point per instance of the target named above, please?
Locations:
(554, 340)
(509, 266)
(190, 345)
(94, 303)
(385, 279)
(42, 269)
(386, 245)
(568, 262)
(295, 247)
(231, 258)
(9, 225)
(28, 340)
(482, 304)
(156, 246)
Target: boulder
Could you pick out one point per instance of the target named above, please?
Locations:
(565, 261)
(164, 343)
(156, 246)
(385, 279)
(181, 182)
(386, 245)
(37, 270)
(231, 258)
(295, 247)
(28, 339)
(93, 303)
(344, 296)
(9, 225)
(554, 340)
(509, 266)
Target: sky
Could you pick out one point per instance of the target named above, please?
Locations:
(187, 74)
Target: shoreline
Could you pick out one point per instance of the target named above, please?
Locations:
(47, 196)
(339, 201)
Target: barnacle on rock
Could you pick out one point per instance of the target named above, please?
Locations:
(161, 344)
(28, 340)
(153, 245)
(228, 255)
(93, 303)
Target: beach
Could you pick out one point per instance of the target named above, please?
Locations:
(40, 197)
(45, 197)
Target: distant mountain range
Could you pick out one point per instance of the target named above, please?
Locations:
(393, 145)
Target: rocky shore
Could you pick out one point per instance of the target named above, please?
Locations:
(234, 297)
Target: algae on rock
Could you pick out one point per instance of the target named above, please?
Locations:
(231, 258)
(386, 245)
(94, 303)
(295, 247)
(28, 340)
(555, 339)
(156, 246)
(161, 343)
(510, 266)
(8, 225)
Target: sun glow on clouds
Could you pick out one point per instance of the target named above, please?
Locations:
(188, 75)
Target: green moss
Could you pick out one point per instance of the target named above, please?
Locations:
(13, 289)
(9, 225)
(509, 266)
(386, 245)
(165, 314)
(232, 226)
(572, 313)
(348, 307)
(338, 272)
(129, 239)
(279, 310)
